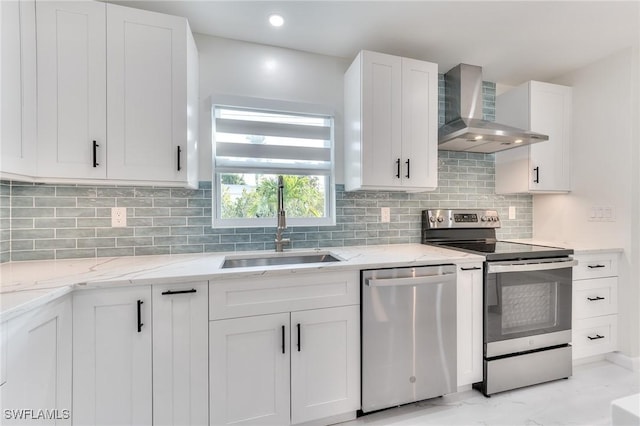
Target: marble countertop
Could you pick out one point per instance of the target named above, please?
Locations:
(25, 285)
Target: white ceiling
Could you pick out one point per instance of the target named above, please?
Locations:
(513, 41)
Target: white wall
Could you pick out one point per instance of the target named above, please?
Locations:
(605, 173)
(237, 68)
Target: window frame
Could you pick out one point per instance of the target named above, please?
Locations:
(275, 106)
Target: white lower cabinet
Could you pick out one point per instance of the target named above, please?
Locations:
(249, 370)
(140, 355)
(37, 346)
(180, 354)
(325, 363)
(285, 368)
(595, 304)
(469, 324)
(112, 380)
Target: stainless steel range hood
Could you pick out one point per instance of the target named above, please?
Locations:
(465, 130)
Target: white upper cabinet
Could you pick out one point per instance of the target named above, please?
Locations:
(146, 95)
(117, 95)
(18, 88)
(71, 89)
(543, 167)
(391, 123)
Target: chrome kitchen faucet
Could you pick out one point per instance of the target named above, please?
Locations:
(282, 218)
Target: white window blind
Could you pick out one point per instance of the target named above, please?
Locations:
(261, 142)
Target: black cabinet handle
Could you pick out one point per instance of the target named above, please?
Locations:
(595, 266)
(170, 292)
(283, 339)
(537, 178)
(408, 171)
(595, 338)
(398, 168)
(473, 268)
(298, 337)
(95, 154)
(593, 299)
(140, 324)
(179, 152)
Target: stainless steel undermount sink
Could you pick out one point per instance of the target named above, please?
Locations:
(274, 259)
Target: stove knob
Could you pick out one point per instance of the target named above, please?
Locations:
(432, 219)
(484, 218)
(440, 219)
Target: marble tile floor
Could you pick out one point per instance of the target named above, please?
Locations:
(583, 399)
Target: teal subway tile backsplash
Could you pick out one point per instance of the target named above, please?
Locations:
(82, 228)
(40, 222)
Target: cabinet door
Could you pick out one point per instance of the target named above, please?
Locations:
(419, 168)
(180, 354)
(71, 89)
(469, 316)
(550, 164)
(325, 363)
(146, 94)
(381, 120)
(18, 87)
(39, 363)
(112, 357)
(249, 370)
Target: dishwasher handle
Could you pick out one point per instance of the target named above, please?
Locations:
(428, 279)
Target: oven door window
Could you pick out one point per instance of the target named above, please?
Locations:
(520, 304)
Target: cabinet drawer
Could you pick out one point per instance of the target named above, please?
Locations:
(595, 266)
(594, 336)
(596, 297)
(258, 295)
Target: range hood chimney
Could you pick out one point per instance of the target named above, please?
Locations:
(465, 130)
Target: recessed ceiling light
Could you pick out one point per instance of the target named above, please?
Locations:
(276, 20)
(478, 137)
(518, 141)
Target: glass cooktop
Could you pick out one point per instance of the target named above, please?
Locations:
(503, 250)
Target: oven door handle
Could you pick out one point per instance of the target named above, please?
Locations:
(493, 268)
(429, 279)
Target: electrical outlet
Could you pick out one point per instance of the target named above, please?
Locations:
(512, 212)
(118, 217)
(385, 214)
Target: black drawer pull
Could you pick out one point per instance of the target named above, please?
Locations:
(398, 168)
(593, 299)
(473, 268)
(298, 337)
(408, 170)
(95, 154)
(179, 152)
(170, 292)
(537, 172)
(595, 266)
(595, 338)
(140, 324)
(283, 339)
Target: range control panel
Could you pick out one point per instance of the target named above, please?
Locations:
(460, 218)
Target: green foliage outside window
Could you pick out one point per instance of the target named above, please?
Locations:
(303, 197)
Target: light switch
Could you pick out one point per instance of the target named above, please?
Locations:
(512, 212)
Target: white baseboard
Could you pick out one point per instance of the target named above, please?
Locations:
(623, 360)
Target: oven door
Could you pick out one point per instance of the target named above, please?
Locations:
(527, 305)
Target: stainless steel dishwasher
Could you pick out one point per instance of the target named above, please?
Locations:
(408, 335)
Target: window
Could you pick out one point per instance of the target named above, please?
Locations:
(252, 147)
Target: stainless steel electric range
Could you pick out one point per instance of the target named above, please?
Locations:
(527, 299)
